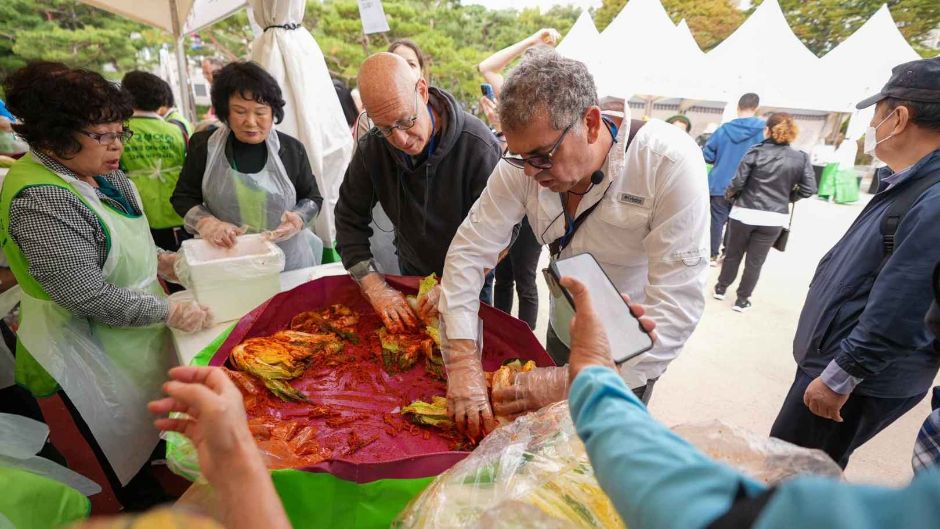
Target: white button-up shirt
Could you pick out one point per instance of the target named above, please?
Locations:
(649, 234)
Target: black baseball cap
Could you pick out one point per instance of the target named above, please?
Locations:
(912, 81)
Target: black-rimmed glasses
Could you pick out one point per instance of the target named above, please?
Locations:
(539, 161)
(403, 124)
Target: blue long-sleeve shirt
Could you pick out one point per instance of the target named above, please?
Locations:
(657, 480)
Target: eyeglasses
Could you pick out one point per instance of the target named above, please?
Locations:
(108, 138)
(539, 161)
(403, 124)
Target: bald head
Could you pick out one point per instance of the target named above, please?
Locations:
(385, 80)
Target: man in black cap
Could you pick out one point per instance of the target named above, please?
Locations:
(864, 356)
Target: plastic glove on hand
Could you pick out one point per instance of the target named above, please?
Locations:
(219, 233)
(388, 303)
(291, 224)
(531, 391)
(189, 316)
(428, 304)
(166, 266)
(467, 400)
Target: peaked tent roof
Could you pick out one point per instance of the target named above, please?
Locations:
(581, 42)
(766, 57)
(685, 35)
(191, 15)
(644, 53)
(861, 64)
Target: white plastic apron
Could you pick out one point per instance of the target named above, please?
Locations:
(109, 373)
(255, 201)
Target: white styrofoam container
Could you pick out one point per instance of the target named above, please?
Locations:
(233, 281)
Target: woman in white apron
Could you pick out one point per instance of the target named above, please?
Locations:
(244, 177)
(93, 315)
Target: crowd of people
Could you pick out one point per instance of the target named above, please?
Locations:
(116, 179)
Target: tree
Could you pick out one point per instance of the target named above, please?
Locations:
(711, 21)
(605, 14)
(823, 24)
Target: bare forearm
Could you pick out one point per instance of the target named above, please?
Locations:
(247, 498)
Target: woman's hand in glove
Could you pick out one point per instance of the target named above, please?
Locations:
(218, 233)
(166, 263)
(388, 303)
(189, 316)
(467, 400)
(531, 390)
(427, 304)
(291, 224)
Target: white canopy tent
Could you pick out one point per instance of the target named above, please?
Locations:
(313, 113)
(179, 18)
(582, 43)
(645, 54)
(764, 56)
(687, 39)
(861, 64)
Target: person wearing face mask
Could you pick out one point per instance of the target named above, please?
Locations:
(425, 161)
(94, 317)
(246, 177)
(864, 357)
(634, 196)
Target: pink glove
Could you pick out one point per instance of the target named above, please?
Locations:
(291, 224)
(218, 233)
(189, 316)
(532, 390)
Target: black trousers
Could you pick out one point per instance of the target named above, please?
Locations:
(752, 244)
(863, 417)
(720, 208)
(169, 239)
(519, 267)
(560, 353)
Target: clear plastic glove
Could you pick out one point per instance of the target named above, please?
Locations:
(291, 224)
(388, 303)
(427, 304)
(531, 391)
(219, 233)
(467, 400)
(189, 316)
(166, 266)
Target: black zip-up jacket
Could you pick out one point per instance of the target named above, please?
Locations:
(426, 203)
(771, 176)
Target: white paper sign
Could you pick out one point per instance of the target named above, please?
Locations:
(373, 16)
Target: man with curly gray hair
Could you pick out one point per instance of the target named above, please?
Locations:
(632, 194)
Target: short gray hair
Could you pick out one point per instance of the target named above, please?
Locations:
(546, 82)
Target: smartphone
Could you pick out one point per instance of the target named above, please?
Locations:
(487, 90)
(625, 334)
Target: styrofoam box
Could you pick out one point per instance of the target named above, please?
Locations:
(233, 281)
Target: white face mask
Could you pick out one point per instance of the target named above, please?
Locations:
(871, 141)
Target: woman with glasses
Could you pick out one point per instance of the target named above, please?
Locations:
(246, 177)
(94, 316)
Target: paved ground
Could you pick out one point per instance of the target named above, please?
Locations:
(738, 367)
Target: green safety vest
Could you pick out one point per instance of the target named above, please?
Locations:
(175, 115)
(153, 159)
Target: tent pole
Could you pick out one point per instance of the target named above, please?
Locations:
(186, 105)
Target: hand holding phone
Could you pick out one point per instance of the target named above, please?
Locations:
(487, 90)
(625, 333)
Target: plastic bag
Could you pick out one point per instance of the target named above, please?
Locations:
(533, 470)
(764, 458)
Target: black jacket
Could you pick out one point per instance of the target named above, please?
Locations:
(293, 155)
(771, 176)
(426, 203)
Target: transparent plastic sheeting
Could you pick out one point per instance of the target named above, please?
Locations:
(21, 438)
(764, 458)
(534, 470)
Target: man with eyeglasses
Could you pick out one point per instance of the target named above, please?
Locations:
(632, 194)
(426, 161)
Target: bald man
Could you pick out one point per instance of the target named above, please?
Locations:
(426, 161)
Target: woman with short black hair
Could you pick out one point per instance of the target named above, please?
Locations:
(94, 317)
(243, 177)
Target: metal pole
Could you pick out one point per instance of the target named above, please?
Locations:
(186, 94)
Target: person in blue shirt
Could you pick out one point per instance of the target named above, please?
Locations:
(724, 149)
(657, 480)
(864, 356)
(4, 113)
